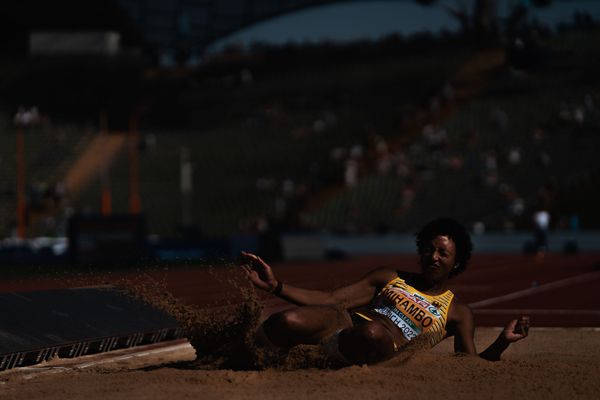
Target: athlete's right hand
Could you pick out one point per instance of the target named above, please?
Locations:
(258, 271)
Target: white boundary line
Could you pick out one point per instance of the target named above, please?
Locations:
(538, 289)
(135, 353)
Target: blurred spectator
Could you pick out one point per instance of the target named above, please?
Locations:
(383, 158)
(356, 152)
(564, 113)
(517, 206)
(435, 136)
(265, 184)
(538, 134)
(499, 119)
(435, 105)
(490, 162)
(319, 125)
(25, 117)
(338, 154)
(448, 93)
(589, 102)
(246, 76)
(578, 115)
(351, 172)
(478, 228)
(508, 225)
(288, 187)
(574, 223)
(330, 119)
(453, 162)
(281, 208)
(408, 197)
(544, 159)
(402, 164)
(541, 223)
(514, 155)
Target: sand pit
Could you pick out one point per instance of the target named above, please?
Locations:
(551, 363)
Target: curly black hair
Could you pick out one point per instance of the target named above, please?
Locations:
(455, 231)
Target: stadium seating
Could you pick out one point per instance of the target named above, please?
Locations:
(261, 133)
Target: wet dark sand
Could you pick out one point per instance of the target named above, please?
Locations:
(550, 364)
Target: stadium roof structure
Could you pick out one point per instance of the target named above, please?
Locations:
(188, 26)
(194, 24)
(171, 25)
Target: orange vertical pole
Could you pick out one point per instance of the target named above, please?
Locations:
(21, 182)
(106, 197)
(134, 166)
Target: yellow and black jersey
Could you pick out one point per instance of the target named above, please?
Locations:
(412, 311)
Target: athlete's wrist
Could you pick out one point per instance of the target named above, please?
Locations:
(501, 343)
(277, 288)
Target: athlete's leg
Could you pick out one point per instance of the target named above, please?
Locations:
(305, 325)
(366, 343)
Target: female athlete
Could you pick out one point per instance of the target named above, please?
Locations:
(370, 321)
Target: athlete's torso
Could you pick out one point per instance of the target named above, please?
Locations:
(412, 311)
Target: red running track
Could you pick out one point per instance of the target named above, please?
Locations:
(559, 291)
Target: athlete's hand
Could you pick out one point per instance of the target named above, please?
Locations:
(258, 271)
(516, 330)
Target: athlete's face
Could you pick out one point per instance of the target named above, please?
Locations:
(438, 258)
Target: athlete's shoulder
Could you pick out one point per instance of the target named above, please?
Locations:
(381, 276)
(405, 275)
(459, 311)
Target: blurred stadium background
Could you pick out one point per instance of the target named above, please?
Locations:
(123, 139)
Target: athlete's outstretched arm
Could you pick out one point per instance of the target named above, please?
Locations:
(464, 332)
(515, 330)
(354, 295)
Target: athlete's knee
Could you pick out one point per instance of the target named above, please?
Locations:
(281, 328)
(288, 320)
(303, 325)
(366, 343)
(373, 332)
